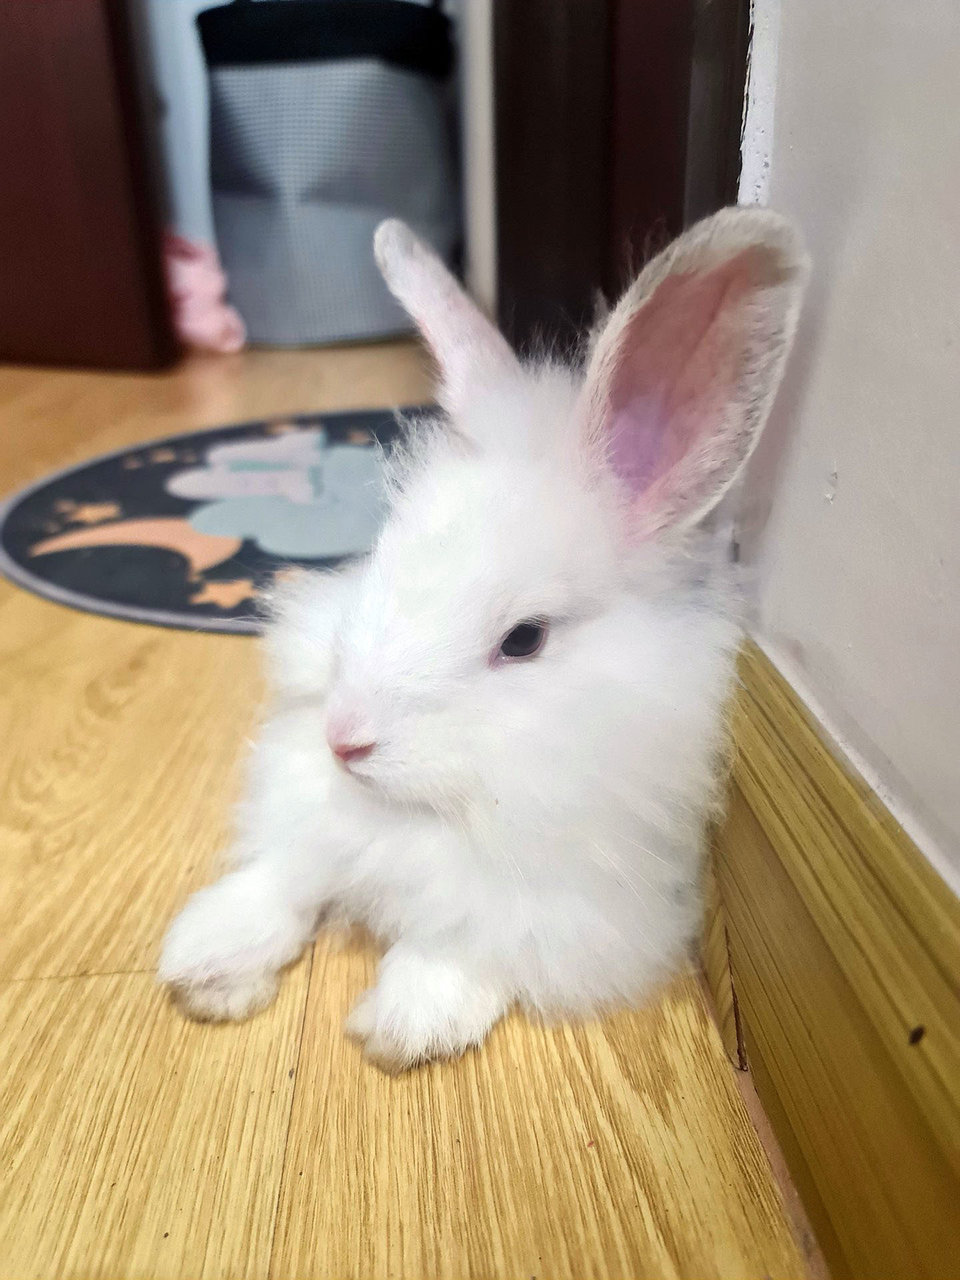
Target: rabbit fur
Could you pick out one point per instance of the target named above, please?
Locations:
(521, 831)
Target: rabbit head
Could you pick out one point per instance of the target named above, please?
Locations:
(529, 622)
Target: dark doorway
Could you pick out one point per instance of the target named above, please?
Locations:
(617, 123)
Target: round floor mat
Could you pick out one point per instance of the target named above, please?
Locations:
(187, 531)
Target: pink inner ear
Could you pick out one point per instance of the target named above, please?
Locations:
(676, 371)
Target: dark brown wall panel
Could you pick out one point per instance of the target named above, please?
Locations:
(79, 251)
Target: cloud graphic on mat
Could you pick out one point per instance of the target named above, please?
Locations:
(289, 466)
(293, 495)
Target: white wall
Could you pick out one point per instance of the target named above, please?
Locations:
(853, 523)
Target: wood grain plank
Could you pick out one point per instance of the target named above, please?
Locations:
(134, 1143)
(117, 793)
(845, 944)
(564, 1151)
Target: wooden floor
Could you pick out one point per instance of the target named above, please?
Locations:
(134, 1144)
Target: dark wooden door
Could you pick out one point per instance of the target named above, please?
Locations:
(80, 268)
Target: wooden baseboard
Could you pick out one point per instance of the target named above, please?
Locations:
(844, 948)
(715, 958)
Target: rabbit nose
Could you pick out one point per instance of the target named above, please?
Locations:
(349, 734)
(347, 752)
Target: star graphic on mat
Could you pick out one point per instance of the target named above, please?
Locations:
(95, 512)
(88, 512)
(225, 595)
(163, 455)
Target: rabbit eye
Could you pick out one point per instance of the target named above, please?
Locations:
(525, 640)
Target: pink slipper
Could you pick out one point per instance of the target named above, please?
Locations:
(197, 285)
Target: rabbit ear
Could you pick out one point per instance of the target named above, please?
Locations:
(466, 346)
(681, 378)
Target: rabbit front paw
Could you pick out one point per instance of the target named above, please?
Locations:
(422, 1008)
(225, 999)
(223, 953)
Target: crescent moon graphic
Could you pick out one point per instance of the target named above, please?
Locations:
(200, 550)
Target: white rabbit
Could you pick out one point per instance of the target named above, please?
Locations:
(496, 742)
